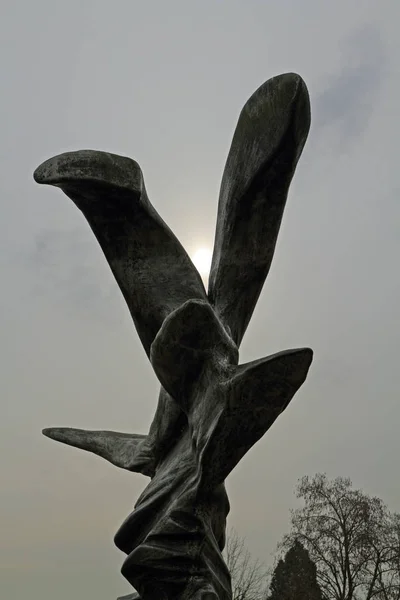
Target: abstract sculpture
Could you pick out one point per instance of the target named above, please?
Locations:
(211, 410)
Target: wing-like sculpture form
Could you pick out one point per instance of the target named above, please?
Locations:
(151, 267)
(211, 410)
(268, 141)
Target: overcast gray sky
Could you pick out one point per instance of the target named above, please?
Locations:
(164, 82)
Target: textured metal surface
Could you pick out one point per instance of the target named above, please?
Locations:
(211, 410)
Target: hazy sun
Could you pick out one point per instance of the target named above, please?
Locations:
(202, 261)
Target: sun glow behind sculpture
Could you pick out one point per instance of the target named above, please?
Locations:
(202, 261)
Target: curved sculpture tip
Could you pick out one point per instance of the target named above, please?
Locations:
(125, 450)
(49, 432)
(90, 166)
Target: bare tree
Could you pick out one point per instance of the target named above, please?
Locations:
(249, 575)
(386, 584)
(351, 537)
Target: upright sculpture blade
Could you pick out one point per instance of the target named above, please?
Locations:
(269, 138)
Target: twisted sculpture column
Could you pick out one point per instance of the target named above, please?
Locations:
(211, 410)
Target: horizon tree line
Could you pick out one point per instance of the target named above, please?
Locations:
(342, 545)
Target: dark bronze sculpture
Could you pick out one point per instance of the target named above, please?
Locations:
(211, 410)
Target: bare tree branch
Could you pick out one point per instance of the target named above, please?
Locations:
(249, 575)
(352, 538)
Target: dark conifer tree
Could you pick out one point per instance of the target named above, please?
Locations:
(295, 577)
